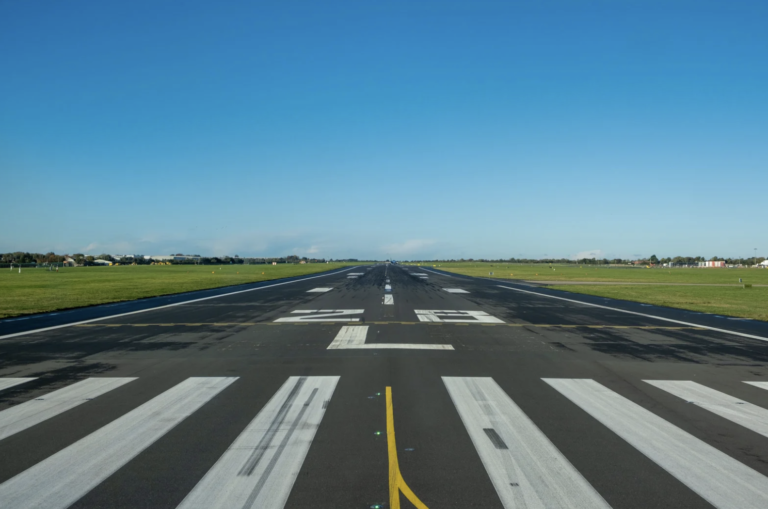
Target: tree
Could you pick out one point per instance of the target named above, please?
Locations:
(653, 259)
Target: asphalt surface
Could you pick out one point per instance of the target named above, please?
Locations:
(503, 396)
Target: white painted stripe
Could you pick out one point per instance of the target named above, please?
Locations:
(260, 467)
(761, 385)
(440, 273)
(7, 383)
(389, 300)
(349, 336)
(719, 479)
(455, 316)
(319, 290)
(62, 479)
(387, 288)
(54, 327)
(455, 290)
(352, 337)
(403, 346)
(735, 410)
(355, 273)
(20, 417)
(418, 274)
(638, 314)
(526, 469)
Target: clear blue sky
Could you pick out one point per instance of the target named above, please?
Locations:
(380, 128)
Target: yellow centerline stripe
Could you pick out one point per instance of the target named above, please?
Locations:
(396, 482)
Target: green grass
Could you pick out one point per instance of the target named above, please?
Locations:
(39, 291)
(541, 272)
(722, 300)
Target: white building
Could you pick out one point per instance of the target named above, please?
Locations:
(712, 264)
(764, 263)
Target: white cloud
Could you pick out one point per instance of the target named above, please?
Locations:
(594, 253)
(408, 248)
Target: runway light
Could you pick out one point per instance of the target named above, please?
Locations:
(377, 433)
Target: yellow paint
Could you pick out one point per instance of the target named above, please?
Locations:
(396, 482)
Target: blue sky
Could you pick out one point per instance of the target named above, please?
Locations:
(385, 128)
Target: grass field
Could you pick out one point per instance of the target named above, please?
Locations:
(540, 272)
(723, 300)
(720, 300)
(39, 291)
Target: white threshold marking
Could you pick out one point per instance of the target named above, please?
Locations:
(639, 314)
(20, 417)
(389, 300)
(760, 385)
(455, 316)
(455, 290)
(741, 412)
(323, 315)
(319, 290)
(7, 383)
(352, 337)
(716, 477)
(54, 327)
(387, 288)
(62, 479)
(525, 467)
(260, 467)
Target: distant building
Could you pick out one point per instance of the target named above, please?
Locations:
(102, 262)
(712, 264)
(764, 263)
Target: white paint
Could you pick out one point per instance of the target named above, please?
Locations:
(716, 477)
(761, 385)
(455, 290)
(7, 383)
(453, 316)
(260, 467)
(60, 480)
(323, 315)
(356, 273)
(349, 336)
(735, 410)
(352, 337)
(54, 327)
(527, 470)
(351, 277)
(639, 314)
(319, 290)
(389, 300)
(387, 288)
(419, 274)
(20, 417)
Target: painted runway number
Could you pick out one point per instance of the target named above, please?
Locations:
(455, 316)
(323, 315)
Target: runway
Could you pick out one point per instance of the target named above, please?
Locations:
(382, 387)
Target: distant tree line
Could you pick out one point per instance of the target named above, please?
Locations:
(652, 260)
(19, 257)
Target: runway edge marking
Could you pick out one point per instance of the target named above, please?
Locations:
(54, 327)
(690, 324)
